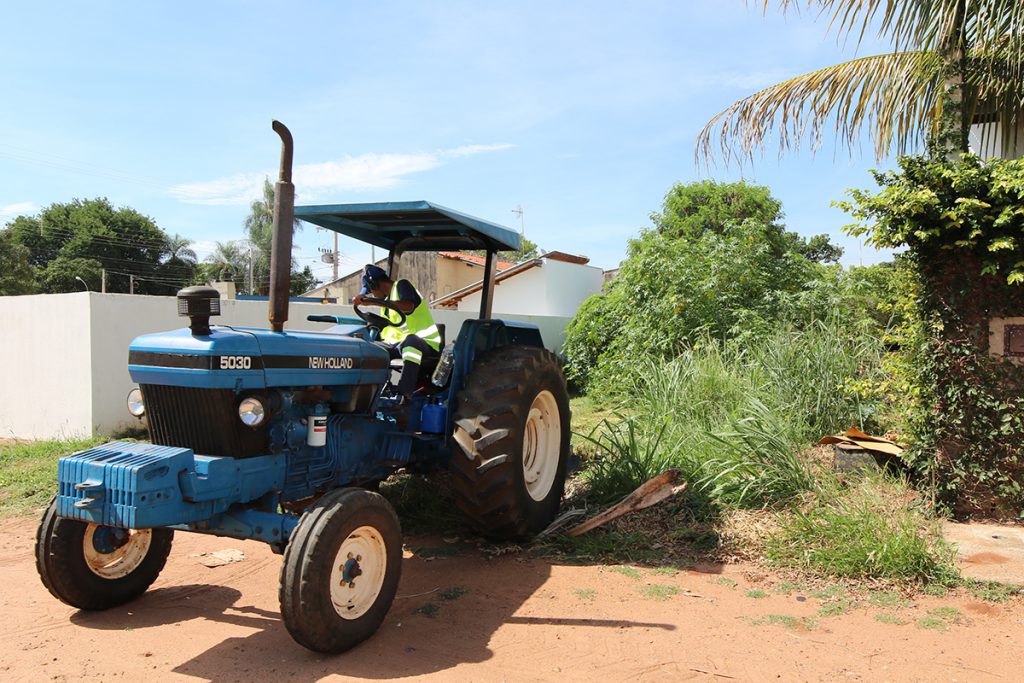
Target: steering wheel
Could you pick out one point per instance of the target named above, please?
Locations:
(373, 320)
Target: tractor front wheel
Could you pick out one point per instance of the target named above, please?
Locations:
(341, 570)
(511, 442)
(96, 567)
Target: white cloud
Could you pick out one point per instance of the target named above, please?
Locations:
(203, 248)
(19, 209)
(351, 174)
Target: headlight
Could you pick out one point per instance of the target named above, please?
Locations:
(251, 412)
(135, 405)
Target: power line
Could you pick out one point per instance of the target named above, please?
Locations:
(66, 164)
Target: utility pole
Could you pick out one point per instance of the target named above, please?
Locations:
(103, 280)
(250, 269)
(335, 260)
(131, 284)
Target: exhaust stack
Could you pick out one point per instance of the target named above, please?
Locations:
(281, 241)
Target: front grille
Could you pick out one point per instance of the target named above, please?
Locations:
(205, 420)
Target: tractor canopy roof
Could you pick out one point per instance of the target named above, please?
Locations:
(410, 226)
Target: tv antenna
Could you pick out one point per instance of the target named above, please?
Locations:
(518, 211)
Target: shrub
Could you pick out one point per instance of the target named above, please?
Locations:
(718, 263)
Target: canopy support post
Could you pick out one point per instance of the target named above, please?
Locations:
(487, 290)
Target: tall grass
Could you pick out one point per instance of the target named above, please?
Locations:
(864, 531)
(733, 416)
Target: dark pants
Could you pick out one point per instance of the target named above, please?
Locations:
(410, 370)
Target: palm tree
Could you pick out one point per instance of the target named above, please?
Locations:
(954, 62)
(259, 226)
(227, 262)
(179, 249)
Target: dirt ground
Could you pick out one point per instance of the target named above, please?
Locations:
(519, 619)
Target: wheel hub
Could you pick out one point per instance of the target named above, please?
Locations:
(113, 553)
(358, 572)
(542, 443)
(351, 569)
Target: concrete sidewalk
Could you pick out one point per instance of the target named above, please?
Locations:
(989, 552)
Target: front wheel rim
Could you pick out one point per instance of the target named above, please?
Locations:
(358, 572)
(542, 443)
(115, 559)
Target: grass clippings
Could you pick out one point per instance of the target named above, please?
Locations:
(428, 610)
(940, 619)
(631, 572)
(588, 594)
(793, 623)
(453, 593)
(887, 618)
(659, 591)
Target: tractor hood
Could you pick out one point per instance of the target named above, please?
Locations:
(245, 358)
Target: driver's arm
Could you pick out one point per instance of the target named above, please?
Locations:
(408, 298)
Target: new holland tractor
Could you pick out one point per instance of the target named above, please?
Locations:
(283, 437)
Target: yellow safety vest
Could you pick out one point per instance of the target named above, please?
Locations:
(419, 322)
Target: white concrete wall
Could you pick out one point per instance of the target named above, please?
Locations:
(64, 357)
(45, 363)
(556, 288)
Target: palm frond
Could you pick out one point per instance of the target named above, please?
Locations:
(911, 24)
(893, 95)
(996, 40)
(925, 25)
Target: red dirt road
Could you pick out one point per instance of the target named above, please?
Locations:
(519, 620)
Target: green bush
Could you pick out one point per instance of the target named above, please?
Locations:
(718, 263)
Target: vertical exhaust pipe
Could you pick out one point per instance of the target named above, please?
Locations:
(281, 241)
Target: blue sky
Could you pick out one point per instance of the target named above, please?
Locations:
(582, 113)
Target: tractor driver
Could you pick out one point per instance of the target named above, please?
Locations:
(411, 341)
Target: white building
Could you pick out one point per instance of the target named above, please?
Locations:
(555, 284)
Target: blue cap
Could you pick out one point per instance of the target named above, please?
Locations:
(372, 272)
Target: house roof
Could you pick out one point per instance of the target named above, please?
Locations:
(474, 259)
(454, 255)
(412, 226)
(458, 295)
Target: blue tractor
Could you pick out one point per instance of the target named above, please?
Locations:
(284, 436)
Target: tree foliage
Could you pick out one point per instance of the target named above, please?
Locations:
(951, 59)
(718, 262)
(932, 205)
(83, 237)
(16, 275)
(528, 249)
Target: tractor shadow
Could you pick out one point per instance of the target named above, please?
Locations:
(455, 593)
(446, 612)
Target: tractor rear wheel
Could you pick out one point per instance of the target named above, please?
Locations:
(341, 570)
(96, 567)
(511, 442)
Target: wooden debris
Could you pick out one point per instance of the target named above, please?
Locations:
(853, 437)
(649, 493)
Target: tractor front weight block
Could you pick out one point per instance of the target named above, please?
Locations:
(139, 486)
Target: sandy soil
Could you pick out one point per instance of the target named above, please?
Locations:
(519, 620)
